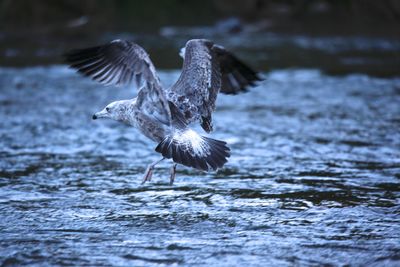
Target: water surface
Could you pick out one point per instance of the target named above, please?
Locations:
(313, 178)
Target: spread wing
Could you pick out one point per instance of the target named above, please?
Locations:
(236, 76)
(119, 63)
(207, 70)
(196, 89)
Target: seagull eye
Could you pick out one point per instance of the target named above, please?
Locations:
(107, 109)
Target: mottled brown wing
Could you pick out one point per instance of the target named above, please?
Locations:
(208, 69)
(197, 87)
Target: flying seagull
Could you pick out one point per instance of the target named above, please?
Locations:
(162, 114)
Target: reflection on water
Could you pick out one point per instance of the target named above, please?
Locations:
(313, 178)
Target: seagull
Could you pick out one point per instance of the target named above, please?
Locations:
(164, 115)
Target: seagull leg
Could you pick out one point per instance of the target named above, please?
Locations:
(149, 171)
(173, 172)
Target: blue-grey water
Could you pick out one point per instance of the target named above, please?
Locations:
(313, 178)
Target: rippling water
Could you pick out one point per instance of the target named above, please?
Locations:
(313, 178)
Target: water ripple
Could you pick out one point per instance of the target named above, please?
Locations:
(313, 178)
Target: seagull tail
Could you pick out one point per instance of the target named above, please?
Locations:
(193, 150)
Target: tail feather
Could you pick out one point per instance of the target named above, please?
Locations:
(190, 149)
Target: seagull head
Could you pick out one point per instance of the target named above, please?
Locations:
(117, 110)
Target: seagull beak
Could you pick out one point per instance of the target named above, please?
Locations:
(101, 114)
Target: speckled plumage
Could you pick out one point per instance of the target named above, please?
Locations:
(196, 90)
(164, 115)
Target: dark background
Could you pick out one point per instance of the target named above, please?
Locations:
(336, 36)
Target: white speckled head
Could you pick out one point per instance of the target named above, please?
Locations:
(117, 110)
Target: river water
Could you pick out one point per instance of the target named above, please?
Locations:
(313, 178)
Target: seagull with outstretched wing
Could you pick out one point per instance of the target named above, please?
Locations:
(165, 115)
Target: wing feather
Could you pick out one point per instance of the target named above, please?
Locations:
(208, 69)
(118, 63)
(236, 76)
(113, 63)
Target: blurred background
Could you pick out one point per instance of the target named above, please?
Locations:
(335, 36)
